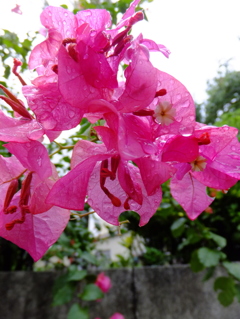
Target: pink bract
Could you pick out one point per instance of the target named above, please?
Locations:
(103, 282)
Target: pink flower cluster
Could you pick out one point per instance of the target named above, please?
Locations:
(149, 135)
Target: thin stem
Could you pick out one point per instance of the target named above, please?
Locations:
(17, 177)
(82, 215)
(61, 147)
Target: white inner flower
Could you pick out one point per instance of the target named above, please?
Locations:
(164, 113)
(199, 164)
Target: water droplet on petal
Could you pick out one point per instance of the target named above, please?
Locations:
(71, 114)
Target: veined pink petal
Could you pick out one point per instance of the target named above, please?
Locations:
(131, 10)
(227, 160)
(70, 191)
(135, 137)
(103, 206)
(19, 130)
(38, 232)
(39, 192)
(214, 178)
(10, 167)
(180, 149)
(129, 185)
(45, 53)
(191, 195)
(108, 136)
(154, 173)
(59, 19)
(220, 138)
(51, 109)
(33, 156)
(85, 149)
(141, 84)
(71, 78)
(95, 68)
(98, 19)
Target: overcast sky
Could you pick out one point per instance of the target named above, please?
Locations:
(200, 34)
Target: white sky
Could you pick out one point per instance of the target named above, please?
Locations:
(201, 34)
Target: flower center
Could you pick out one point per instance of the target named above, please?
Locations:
(199, 164)
(164, 113)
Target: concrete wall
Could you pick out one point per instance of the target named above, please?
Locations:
(143, 293)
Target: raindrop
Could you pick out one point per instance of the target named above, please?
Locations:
(71, 114)
(85, 57)
(233, 148)
(39, 161)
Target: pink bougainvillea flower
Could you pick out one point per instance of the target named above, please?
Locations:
(17, 9)
(117, 315)
(215, 167)
(113, 185)
(103, 282)
(26, 219)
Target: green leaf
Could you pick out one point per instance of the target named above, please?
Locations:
(89, 257)
(219, 240)
(233, 269)
(76, 312)
(209, 273)
(76, 275)
(64, 6)
(63, 294)
(177, 227)
(228, 290)
(209, 257)
(237, 286)
(225, 298)
(91, 292)
(195, 263)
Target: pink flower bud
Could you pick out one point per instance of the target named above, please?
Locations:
(103, 282)
(117, 315)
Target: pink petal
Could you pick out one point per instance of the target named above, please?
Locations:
(70, 191)
(38, 232)
(85, 149)
(215, 179)
(10, 167)
(61, 20)
(180, 149)
(154, 173)
(95, 68)
(33, 156)
(45, 53)
(19, 130)
(191, 195)
(71, 78)
(141, 83)
(220, 138)
(98, 19)
(50, 108)
(103, 206)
